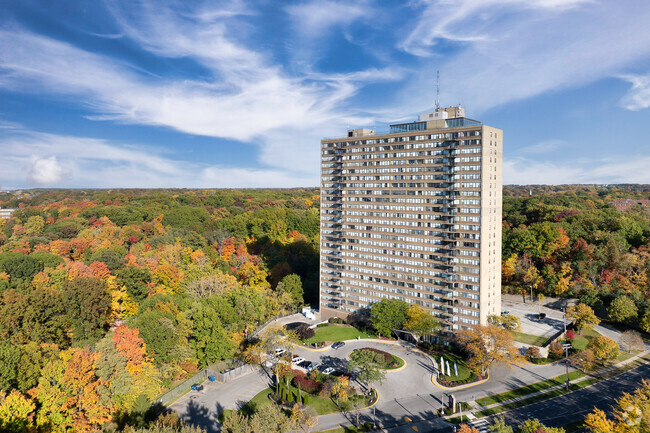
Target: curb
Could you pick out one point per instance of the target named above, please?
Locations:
(460, 387)
(392, 370)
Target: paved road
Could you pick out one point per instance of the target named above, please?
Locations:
(202, 408)
(576, 405)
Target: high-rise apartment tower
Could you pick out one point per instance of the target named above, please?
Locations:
(413, 214)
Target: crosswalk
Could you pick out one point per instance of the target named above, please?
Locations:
(481, 425)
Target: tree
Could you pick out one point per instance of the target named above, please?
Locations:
(622, 309)
(303, 418)
(388, 314)
(209, 338)
(16, 413)
(533, 352)
(583, 317)
(597, 422)
(631, 414)
(235, 422)
(508, 321)
(305, 332)
(534, 426)
(362, 362)
(631, 340)
(68, 393)
(9, 363)
(87, 302)
(604, 348)
(645, 322)
(420, 322)
(584, 359)
(499, 426)
(292, 284)
(487, 345)
(135, 280)
(340, 389)
(269, 418)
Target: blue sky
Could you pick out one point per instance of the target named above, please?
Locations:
(239, 93)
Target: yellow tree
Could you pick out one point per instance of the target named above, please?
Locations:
(487, 345)
(420, 321)
(631, 414)
(564, 278)
(604, 348)
(583, 317)
(302, 418)
(340, 389)
(16, 412)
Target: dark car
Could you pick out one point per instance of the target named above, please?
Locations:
(339, 373)
(505, 313)
(541, 316)
(338, 345)
(304, 364)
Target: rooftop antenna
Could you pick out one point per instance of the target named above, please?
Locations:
(437, 90)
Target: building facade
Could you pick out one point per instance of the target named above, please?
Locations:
(6, 213)
(626, 204)
(413, 214)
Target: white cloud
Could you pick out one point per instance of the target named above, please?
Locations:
(42, 159)
(509, 50)
(46, 171)
(314, 18)
(527, 171)
(638, 97)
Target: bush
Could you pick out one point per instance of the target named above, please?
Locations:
(570, 335)
(307, 385)
(380, 357)
(533, 352)
(336, 320)
(322, 325)
(305, 332)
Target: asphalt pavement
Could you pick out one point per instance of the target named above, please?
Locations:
(575, 406)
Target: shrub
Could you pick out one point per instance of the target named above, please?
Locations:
(305, 332)
(322, 325)
(307, 385)
(570, 335)
(383, 359)
(533, 352)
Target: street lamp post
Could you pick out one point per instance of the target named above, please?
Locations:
(566, 349)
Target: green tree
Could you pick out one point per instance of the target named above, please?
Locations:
(135, 280)
(583, 317)
(87, 302)
(20, 266)
(645, 322)
(16, 413)
(33, 357)
(209, 338)
(622, 309)
(363, 363)
(388, 314)
(499, 426)
(9, 362)
(159, 331)
(534, 426)
(292, 284)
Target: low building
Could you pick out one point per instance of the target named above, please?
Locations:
(6, 213)
(625, 204)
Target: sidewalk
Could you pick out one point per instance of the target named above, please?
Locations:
(601, 372)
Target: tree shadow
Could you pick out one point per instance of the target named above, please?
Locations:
(199, 415)
(335, 362)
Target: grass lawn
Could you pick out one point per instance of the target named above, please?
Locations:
(529, 389)
(350, 429)
(259, 400)
(338, 333)
(463, 371)
(580, 341)
(624, 355)
(533, 340)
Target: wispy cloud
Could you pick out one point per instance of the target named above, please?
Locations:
(631, 169)
(314, 18)
(507, 50)
(41, 159)
(638, 96)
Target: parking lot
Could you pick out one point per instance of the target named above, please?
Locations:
(529, 312)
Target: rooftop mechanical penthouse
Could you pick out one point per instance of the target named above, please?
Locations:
(413, 214)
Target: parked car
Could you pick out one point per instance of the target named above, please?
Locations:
(197, 387)
(541, 316)
(505, 313)
(339, 373)
(304, 364)
(312, 366)
(328, 370)
(322, 368)
(297, 359)
(338, 345)
(280, 352)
